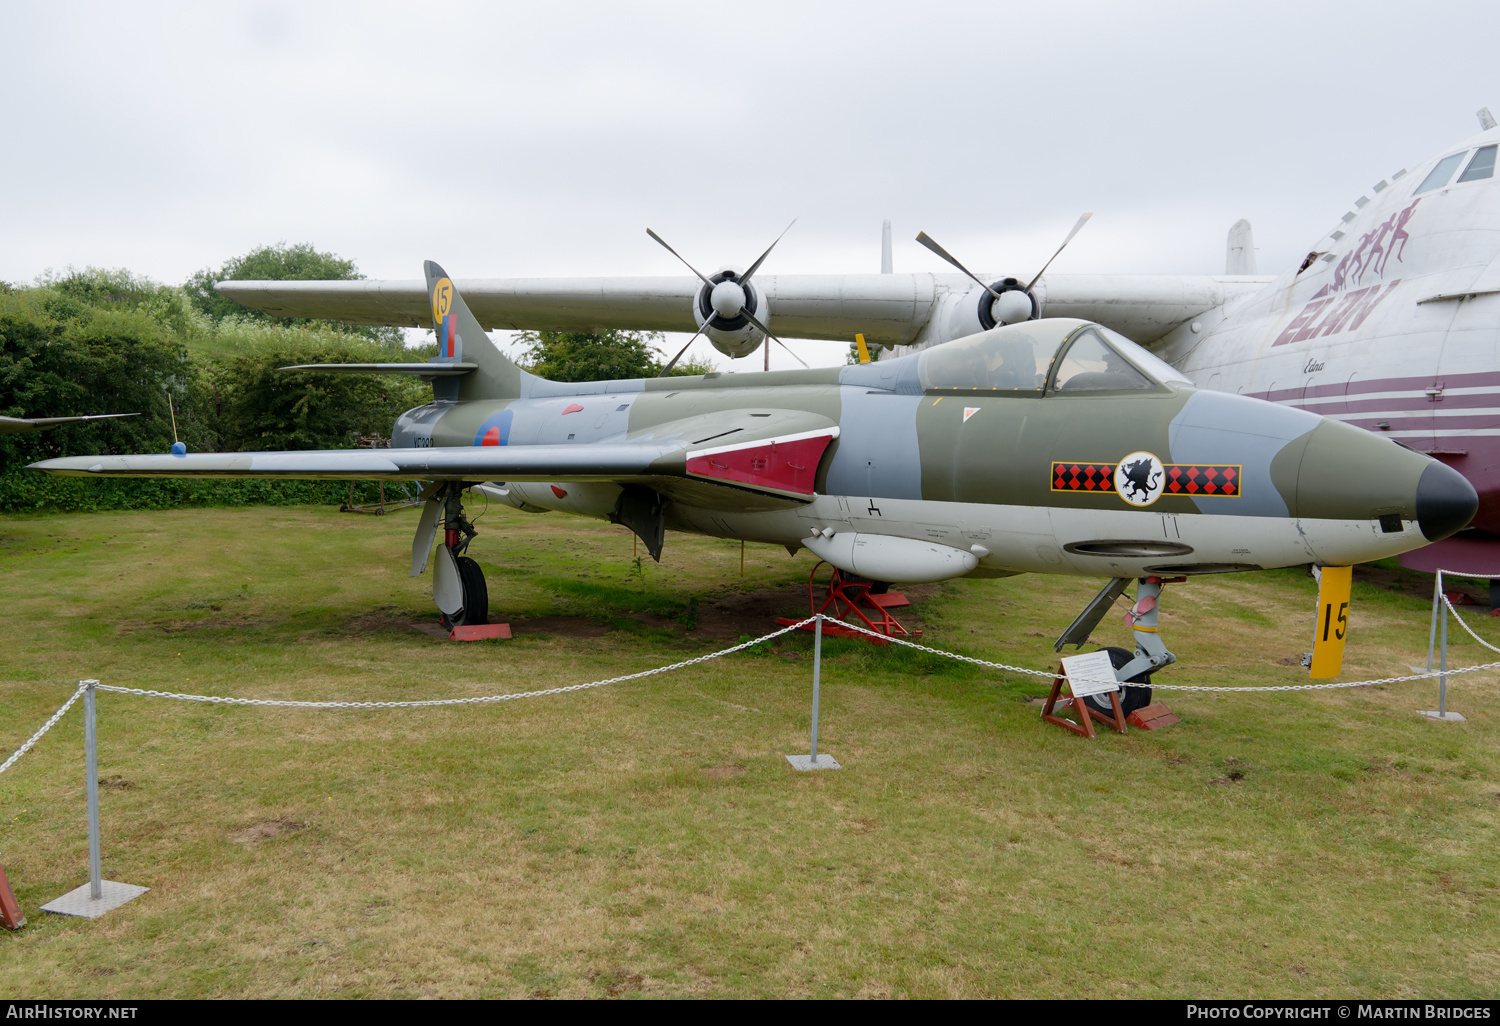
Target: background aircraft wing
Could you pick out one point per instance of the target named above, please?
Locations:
(889, 309)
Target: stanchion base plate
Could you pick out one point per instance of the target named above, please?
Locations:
(805, 762)
(78, 903)
(1448, 717)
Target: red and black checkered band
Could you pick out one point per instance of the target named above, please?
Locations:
(1083, 477)
(1182, 478)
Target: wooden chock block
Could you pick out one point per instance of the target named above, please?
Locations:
(481, 632)
(1152, 717)
(10, 911)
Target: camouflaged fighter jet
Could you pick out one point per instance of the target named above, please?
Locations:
(1049, 446)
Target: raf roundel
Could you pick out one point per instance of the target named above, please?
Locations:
(1140, 478)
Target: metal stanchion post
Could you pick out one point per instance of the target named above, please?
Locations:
(99, 895)
(1437, 598)
(91, 763)
(1443, 678)
(813, 761)
(1440, 642)
(817, 674)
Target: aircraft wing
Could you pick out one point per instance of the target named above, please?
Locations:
(782, 463)
(592, 462)
(18, 425)
(889, 309)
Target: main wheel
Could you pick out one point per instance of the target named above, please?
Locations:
(476, 608)
(1131, 699)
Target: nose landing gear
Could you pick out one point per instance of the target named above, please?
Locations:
(458, 585)
(1150, 654)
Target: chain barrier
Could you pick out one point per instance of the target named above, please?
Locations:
(480, 700)
(45, 727)
(1461, 621)
(489, 699)
(1178, 687)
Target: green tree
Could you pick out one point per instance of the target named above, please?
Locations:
(590, 356)
(279, 263)
(258, 407)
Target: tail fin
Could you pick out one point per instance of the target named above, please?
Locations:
(462, 340)
(1239, 256)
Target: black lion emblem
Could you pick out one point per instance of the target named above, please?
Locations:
(1140, 479)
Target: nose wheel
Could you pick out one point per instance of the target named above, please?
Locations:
(476, 597)
(458, 587)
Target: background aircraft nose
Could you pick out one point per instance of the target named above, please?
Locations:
(1446, 502)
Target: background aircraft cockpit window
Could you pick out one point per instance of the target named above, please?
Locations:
(1012, 359)
(1482, 166)
(1089, 365)
(1439, 175)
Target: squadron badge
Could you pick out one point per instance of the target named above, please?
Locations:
(1140, 478)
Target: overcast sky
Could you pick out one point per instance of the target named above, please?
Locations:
(542, 139)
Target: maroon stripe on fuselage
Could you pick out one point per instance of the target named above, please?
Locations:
(1484, 379)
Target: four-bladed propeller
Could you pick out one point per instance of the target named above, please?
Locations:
(1012, 302)
(728, 298)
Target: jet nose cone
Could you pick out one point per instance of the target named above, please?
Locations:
(1446, 502)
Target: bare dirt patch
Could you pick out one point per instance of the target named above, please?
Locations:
(266, 830)
(1417, 585)
(556, 626)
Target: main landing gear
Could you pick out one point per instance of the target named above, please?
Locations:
(458, 585)
(1150, 654)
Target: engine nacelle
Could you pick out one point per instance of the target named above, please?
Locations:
(734, 336)
(976, 310)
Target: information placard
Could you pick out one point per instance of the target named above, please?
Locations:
(1090, 674)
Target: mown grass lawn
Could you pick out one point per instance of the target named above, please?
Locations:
(649, 838)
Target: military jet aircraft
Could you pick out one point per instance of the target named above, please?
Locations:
(1051, 446)
(1391, 322)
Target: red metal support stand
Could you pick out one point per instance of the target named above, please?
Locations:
(849, 598)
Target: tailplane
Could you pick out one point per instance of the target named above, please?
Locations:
(462, 340)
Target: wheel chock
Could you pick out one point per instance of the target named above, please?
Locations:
(1152, 717)
(10, 912)
(481, 632)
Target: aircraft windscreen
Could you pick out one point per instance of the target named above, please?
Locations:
(1091, 366)
(1013, 359)
(1482, 166)
(1439, 175)
(1154, 366)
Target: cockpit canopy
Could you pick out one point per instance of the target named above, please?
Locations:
(1059, 355)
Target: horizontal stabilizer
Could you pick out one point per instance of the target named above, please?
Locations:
(424, 370)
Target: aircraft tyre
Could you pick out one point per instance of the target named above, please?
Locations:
(1131, 699)
(476, 608)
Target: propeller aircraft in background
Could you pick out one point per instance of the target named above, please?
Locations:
(1050, 446)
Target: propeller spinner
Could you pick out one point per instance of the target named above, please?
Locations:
(728, 309)
(1006, 301)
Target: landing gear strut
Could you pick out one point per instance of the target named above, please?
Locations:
(458, 585)
(1150, 654)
